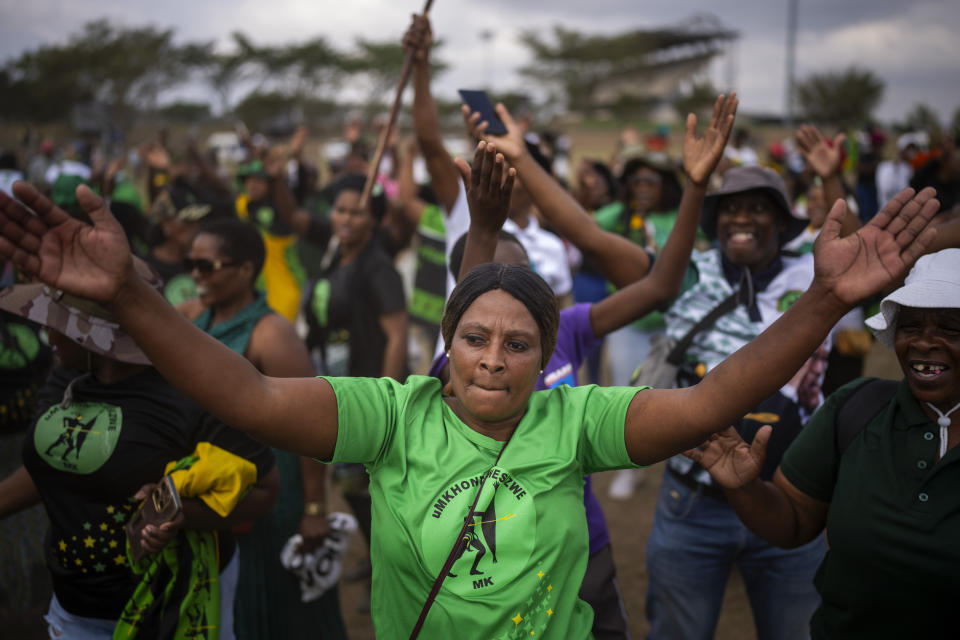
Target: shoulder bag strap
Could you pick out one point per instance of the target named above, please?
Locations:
(462, 539)
(676, 355)
(860, 408)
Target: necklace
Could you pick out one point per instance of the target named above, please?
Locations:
(944, 422)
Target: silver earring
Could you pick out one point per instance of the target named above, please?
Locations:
(541, 371)
(448, 355)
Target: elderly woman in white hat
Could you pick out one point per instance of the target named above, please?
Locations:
(879, 467)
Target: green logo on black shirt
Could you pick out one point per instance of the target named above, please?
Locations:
(79, 438)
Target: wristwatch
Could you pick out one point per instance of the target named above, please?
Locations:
(314, 509)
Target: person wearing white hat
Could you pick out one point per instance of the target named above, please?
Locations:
(894, 175)
(886, 490)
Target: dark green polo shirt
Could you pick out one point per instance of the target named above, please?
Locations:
(893, 569)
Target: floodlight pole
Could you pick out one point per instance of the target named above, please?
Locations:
(791, 59)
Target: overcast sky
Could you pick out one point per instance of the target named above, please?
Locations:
(912, 45)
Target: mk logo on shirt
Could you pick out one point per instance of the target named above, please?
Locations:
(498, 543)
(80, 438)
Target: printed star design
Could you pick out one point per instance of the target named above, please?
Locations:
(111, 509)
(517, 620)
(100, 567)
(118, 517)
(105, 551)
(113, 544)
(103, 526)
(88, 542)
(549, 612)
(540, 574)
(118, 560)
(549, 587)
(62, 545)
(86, 526)
(78, 562)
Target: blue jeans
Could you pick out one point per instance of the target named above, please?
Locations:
(626, 349)
(694, 543)
(61, 624)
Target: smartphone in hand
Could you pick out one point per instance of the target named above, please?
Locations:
(479, 101)
(162, 505)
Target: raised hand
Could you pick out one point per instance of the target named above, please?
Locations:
(730, 461)
(511, 144)
(275, 161)
(701, 155)
(419, 38)
(880, 253)
(489, 186)
(821, 155)
(63, 252)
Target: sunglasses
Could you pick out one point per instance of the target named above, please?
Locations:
(204, 266)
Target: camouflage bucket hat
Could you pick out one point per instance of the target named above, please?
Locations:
(83, 321)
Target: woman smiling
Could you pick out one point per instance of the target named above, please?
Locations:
(885, 489)
(495, 468)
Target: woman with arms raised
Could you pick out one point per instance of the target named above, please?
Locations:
(429, 456)
(878, 468)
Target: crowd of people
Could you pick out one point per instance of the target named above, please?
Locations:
(454, 346)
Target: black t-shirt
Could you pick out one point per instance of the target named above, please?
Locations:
(25, 360)
(89, 460)
(343, 312)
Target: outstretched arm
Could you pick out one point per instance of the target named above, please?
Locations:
(618, 259)
(444, 177)
(661, 423)
(824, 158)
(662, 284)
(297, 414)
(489, 185)
(411, 205)
(776, 511)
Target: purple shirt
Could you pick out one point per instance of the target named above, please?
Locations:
(574, 340)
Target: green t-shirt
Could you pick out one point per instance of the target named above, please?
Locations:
(893, 523)
(522, 568)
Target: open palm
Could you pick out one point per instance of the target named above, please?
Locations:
(822, 157)
(880, 253)
(63, 252)
(701, 155)
(730, 461)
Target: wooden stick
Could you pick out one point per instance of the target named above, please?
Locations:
(391, 121)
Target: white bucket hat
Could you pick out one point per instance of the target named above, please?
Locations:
(934, 282)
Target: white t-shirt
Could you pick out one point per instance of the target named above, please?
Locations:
(892, 178)
(547, 254)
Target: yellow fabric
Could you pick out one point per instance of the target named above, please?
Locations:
(283, 290)
(216, 476)
(282, 287)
